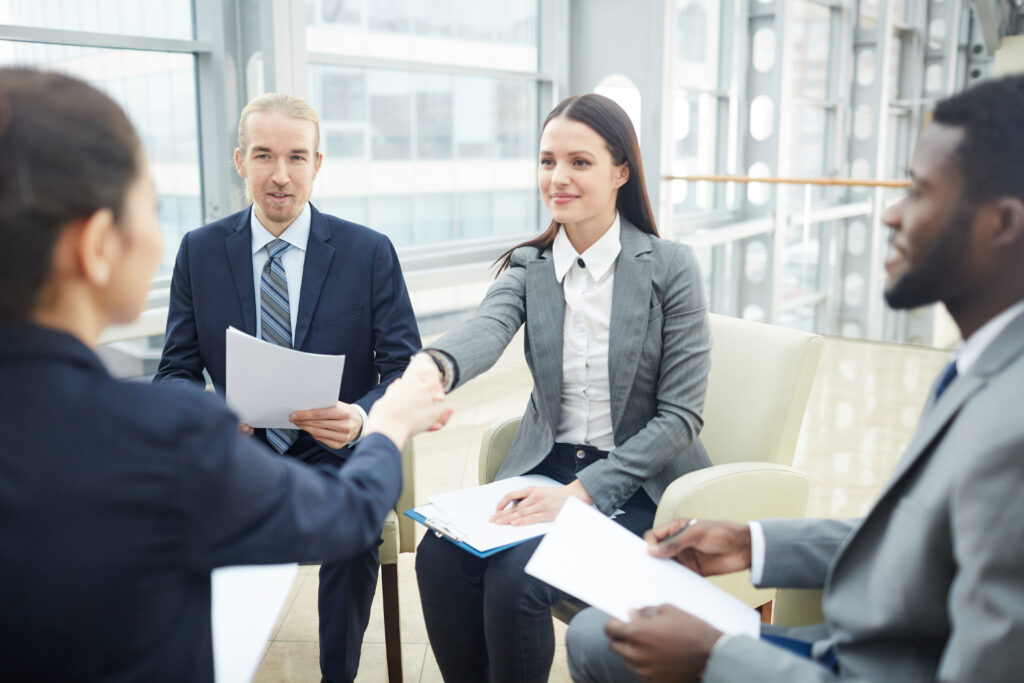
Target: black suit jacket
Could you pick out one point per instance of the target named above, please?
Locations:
(353, 301)
(117, 499)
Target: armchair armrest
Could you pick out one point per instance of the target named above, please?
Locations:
(737, 492)
(797, 607)
(494, 445)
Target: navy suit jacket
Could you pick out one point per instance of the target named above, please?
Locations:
(353, 301)
(118, 498)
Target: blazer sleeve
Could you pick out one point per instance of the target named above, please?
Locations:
(180, 360)
(245, 505)
(478, 343)
(679, 393)
(395, 334)
(986, 598)
(799, 552)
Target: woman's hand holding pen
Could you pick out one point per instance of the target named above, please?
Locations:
(537, 503)
(707, 548)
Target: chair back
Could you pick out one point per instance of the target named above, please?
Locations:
(760, 381)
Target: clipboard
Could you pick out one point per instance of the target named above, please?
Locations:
(448, 532)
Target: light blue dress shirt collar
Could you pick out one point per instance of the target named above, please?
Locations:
(293, 259)
(296, 234)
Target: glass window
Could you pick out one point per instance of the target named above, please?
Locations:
(811, 32)
(514, 212)
(153, 18)
(473, 19)
(475, 118)
(355, 209)
(392, 215)
(434, 116)
(807, 151)
(434, 219)
(391, 16)
(496, 34)
(516, 107)
(433, 18)
(342, 12)
(696, 63)
(157, 90)
(390, 114)
(515, 21)
(475, 215)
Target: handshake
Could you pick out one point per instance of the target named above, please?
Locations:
(413, 403)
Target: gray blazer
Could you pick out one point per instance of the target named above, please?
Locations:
(930, 585)
(658, 362)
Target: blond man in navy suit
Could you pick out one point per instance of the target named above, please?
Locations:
(346, 295)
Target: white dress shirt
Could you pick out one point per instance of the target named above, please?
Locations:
(293, 260)
(964, 355)
(587, 282)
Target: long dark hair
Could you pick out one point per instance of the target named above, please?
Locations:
(66, 151)
(608, 120)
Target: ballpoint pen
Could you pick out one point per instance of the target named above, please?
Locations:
(677, 532)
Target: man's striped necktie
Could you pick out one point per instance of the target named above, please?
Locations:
(276, 322)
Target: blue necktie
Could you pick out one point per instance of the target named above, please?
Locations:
(276, 322)
(944, 380)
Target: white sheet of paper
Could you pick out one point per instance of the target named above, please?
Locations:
(469, 509)
(601, 563)
(245, 604)
(266, 382)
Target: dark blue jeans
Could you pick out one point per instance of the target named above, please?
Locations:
(487, 620)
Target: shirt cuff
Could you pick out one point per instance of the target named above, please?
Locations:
(756, 552)
(362, 414)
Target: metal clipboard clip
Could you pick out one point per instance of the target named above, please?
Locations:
(444, 529)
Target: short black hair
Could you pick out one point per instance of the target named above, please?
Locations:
(991, 154)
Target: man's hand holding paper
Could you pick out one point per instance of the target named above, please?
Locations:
(335, 426)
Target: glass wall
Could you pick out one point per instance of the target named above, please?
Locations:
(434, 143)
(698, 103)
(156, 88)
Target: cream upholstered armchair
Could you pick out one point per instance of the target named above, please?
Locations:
(760, 381)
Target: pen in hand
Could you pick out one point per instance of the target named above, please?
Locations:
(663, 543)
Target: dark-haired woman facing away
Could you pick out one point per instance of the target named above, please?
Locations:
(118, 498)
(617, 341)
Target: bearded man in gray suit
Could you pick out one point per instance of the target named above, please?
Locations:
(930, 584)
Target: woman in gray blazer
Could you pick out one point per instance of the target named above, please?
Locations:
(617, 341)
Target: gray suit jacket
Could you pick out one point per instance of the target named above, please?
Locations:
(658, 362)
(930, 585)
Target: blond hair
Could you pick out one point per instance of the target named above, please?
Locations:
(278, 103)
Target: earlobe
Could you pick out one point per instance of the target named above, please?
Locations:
(239, 167)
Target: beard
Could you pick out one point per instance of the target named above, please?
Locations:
(937, 277)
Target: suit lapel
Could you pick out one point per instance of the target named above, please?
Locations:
(239, 252)
(631, 302)
(545, 303)
(319, 254)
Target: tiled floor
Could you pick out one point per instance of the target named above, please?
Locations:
(862, 410)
